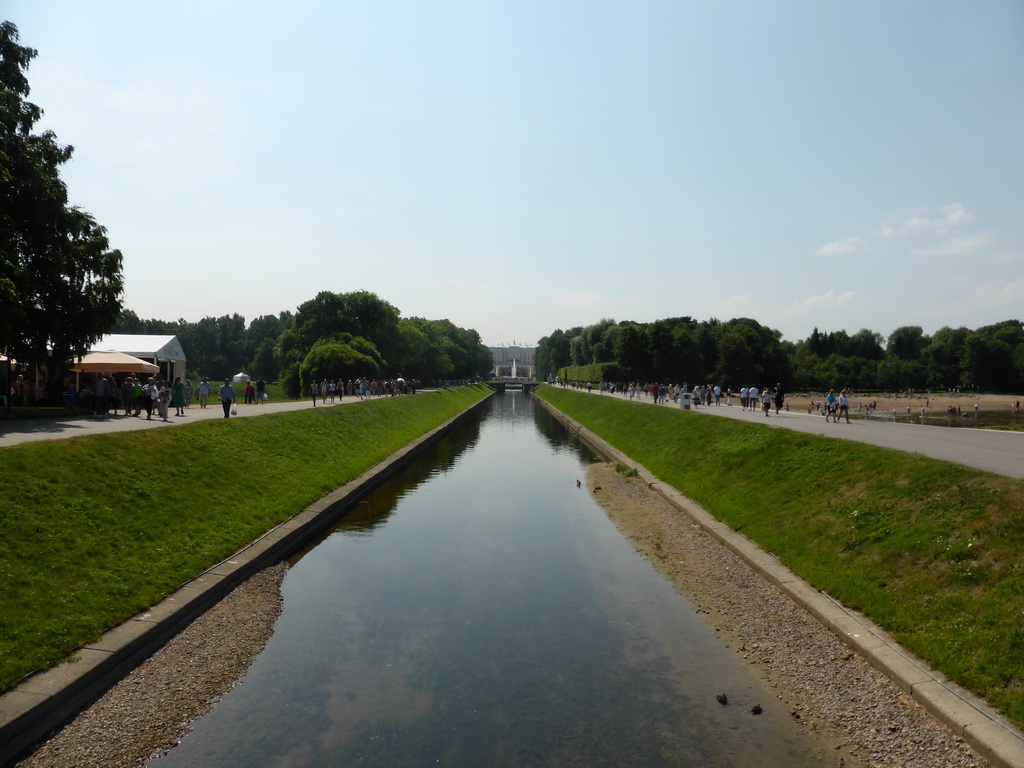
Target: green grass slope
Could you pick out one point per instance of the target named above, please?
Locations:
(96, 529)
(931, 551)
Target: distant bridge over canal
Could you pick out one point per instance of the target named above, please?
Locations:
(501, 385)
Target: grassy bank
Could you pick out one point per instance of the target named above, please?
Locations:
(929, 550)
(96, 529)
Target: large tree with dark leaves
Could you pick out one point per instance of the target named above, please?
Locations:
(60, 283)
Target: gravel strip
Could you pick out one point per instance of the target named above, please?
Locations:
(151, 709)
(829, 689)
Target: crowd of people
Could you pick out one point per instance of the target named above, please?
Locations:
(106, 396)
(750, 398)
(327, 389)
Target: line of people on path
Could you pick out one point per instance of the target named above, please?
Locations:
(105, 396)
(363, 388)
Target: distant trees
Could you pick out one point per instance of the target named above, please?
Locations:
(742, 351)
(360, 334)
(60, 282)
(333, 336)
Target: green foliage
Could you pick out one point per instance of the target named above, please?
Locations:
(103, 527)
(929, 550)
(594, 373)
(741, 352)
(336, 360)
(368, 338)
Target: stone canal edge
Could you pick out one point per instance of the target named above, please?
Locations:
(44, 702)
(965, 715)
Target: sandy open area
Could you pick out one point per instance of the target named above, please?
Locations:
(935, 402)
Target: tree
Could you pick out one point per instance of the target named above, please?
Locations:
(867, 345)
(60, 280)
(630, 352)
(907, 342)
(942, 357)
(342, 360)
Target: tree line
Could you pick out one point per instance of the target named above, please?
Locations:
(742, 352)
(331, 336)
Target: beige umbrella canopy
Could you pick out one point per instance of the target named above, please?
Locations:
(113, 362)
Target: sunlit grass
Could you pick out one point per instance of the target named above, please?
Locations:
(927, 549)
(95, 529)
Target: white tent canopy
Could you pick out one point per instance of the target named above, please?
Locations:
(112, 362)
(162, 351)
(241, 376)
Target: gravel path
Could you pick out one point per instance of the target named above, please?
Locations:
(151, 709)
(829, 689)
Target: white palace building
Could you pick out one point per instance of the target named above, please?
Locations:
(513, 362)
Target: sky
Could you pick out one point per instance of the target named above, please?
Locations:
(521, 167)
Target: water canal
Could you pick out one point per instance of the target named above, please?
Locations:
(482, 610)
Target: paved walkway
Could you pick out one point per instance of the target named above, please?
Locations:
(992, 450)
(31, 430)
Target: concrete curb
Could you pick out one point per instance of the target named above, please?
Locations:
(989, 733)
(46, 701)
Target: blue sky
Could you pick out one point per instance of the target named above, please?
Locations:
(521, 167)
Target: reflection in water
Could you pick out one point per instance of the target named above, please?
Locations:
(483, 611)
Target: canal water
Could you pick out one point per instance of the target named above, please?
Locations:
(482, 611)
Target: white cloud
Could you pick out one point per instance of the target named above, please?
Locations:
(745, 305)
(927, 219)
(740, 305)
(828, 300)
(846, 245)
(1000, 293)
(957, 246)
(1005, 257)
(584, 300)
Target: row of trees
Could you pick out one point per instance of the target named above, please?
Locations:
(741, 352)
(60, 282)
(333, 336)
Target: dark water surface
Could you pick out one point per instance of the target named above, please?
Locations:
(483, 611)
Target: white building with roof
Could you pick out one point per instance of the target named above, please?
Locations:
(164, 351)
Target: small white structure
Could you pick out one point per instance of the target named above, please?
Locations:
(163, 351)
(240, 377)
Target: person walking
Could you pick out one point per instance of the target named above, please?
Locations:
(314, 390)
(149, 396)
(844, 406)
(163, 400)
(831, 406)
(178, 397)
(227, 397)
(126, 394)
(204, 392)
(137, 392)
